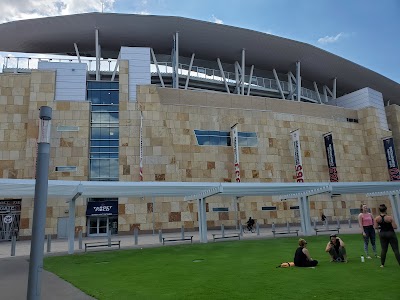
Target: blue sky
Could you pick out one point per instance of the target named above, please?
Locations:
(363, 31)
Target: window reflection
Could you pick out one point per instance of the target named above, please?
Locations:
(104, 132)
(223, 138)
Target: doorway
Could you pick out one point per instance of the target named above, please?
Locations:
(99, 225)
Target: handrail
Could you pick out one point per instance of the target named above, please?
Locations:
(20, 64)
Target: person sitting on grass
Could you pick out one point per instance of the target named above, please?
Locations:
(250, 224)
(336, 249)
(302, 257)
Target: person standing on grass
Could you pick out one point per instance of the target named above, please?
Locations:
(366, 222)
(336, 249)
(302, 257)
(387, 236)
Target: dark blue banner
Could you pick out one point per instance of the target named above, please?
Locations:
(330, 156)
(391, 159)
(102, 208)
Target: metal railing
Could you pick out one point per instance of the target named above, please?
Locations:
(21, 64)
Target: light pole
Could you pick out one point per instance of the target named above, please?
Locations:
(40, 204)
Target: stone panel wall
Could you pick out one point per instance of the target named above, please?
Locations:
(171, 153)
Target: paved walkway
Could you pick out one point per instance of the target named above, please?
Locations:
(14, 282)
(14, 270)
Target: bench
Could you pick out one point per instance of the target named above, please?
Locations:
(286, 232)
(325, 230)
(217, 236)
(177, 239)
(102, 244)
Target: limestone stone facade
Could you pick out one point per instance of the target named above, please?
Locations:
(171, 151)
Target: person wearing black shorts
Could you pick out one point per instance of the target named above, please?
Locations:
(387, 236)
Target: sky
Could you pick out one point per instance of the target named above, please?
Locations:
(366, 32)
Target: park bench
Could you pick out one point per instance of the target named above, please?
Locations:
(217, 236)
(296, 231)
(102, 244)
(325, 230)
(177, 239)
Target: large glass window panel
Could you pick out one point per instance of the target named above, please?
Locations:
(104, 138)
(222, 138)
(94, 168)
(105, 108)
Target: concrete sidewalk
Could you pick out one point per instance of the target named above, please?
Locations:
(14, 282)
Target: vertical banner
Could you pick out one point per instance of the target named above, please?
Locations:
(235, 145)
(141, 148)
(330, 156)
(391, 159)
(297, 155)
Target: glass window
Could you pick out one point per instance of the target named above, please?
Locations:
(104, 138)
(222, 138)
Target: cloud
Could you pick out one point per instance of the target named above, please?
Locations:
(216, 20)
(29, 9)
(331, 39)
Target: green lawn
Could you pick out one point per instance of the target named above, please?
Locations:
(229, 270)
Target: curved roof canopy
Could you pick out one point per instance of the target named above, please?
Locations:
(209, 41)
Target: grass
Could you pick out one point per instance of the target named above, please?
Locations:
(229, 270)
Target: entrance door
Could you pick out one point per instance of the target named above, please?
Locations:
(62, 228)
(98, 226)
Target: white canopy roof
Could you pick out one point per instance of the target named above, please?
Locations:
(191, 190)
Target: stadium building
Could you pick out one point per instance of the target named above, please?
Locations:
(169, 99)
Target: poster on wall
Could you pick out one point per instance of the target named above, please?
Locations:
(330, 156)
(235, 145)
(391, 159)
(297, 155)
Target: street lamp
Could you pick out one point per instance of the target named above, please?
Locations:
(40, 204)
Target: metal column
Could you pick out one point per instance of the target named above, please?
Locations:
(298, 81)
(154, 204)
(243, 68)
(304, 206)
(77, 52)
(200, 219)
(71, 226)
(177, 60)
(190, 69)
(97, 55)
(334, 88)
(158, 69)
(223, 75)
(40, 204)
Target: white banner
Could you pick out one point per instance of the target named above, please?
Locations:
(141, 148)
(235, 145)
(297, 156)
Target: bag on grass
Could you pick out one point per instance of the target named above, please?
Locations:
(286, 265)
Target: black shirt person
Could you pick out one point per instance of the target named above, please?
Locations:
(302, 257)
(250, 224)
(387, 236)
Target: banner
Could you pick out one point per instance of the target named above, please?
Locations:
(391, 159)
(102, 208)
(330, 156)
(235, 145)
(141, 148)
(297, 156)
